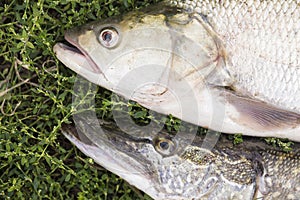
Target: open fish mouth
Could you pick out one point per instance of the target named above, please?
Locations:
(78, 56)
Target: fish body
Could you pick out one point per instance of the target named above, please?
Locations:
(261, 41)
(231, 66)
(167, 166)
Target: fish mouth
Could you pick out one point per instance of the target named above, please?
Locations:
(109, 140)
(109, 149)
(75, 57)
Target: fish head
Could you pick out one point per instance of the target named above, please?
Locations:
(112, 48)
(158, 57)
(162, 165)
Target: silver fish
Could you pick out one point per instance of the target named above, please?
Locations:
(230, 66)
(166, 166)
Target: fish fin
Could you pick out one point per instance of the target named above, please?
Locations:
(259, 115)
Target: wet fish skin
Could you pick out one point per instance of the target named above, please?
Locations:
(250, 170)
(233, 65)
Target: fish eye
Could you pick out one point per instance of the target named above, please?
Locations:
(109, 37)
(164, 146)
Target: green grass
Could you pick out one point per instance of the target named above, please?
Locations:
(36, 160)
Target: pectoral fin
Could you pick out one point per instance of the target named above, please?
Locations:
(259, 115)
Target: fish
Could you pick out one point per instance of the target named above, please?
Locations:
(167, 166)
(229, 66)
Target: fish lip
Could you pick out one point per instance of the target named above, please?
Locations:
(79, 50)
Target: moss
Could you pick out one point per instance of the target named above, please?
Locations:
(283, 144)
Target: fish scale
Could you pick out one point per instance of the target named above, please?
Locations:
(262, 39)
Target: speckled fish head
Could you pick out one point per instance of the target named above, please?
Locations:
(164, 166)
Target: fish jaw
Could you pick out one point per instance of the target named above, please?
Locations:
(72, 58)
(78, 61)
